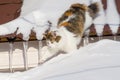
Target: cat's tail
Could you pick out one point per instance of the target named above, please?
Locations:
(94, 8)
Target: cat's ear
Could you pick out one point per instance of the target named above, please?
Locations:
(57, 39)
(93, 9)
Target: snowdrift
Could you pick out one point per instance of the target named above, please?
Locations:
(97, 61)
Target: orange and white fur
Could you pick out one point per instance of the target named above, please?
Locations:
(70, 29)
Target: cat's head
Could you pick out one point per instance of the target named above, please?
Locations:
(51, 36)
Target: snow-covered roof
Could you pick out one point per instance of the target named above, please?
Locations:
(53, 9)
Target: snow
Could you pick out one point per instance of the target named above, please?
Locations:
(3, 30)
(97, 61)
(109, 16)
(53, 10)
(112, 16)
(35, 21)
(30, 5)
(39, 23)
(100, 21)
(37, 16)
(24, 28)
(114, 28)
(37, 13)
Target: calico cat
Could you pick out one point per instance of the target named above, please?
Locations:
(70, 29)
(74, 18)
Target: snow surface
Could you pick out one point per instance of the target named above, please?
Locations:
(97, 61)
